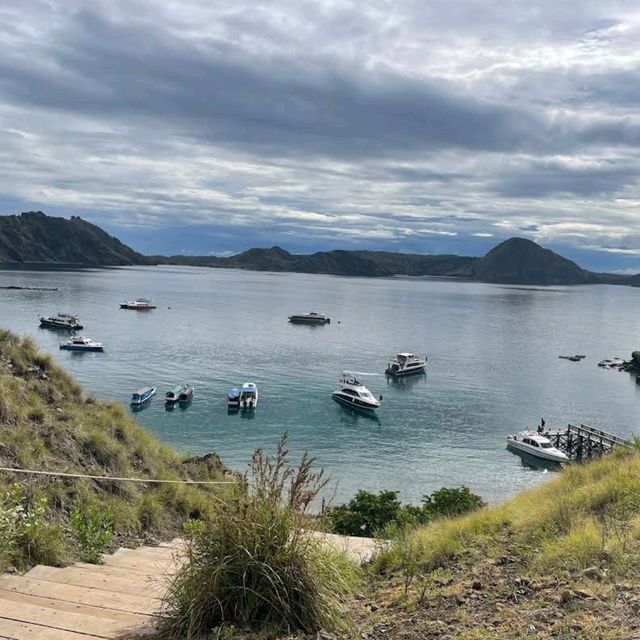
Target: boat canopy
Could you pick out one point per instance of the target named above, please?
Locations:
(141, 392)
(234, 393)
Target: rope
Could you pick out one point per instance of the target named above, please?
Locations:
(90, 477)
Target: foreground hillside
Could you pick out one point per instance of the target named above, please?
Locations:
(560, 561)
(35, 237)
(48, 423)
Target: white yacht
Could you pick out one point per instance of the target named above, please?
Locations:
(535, 444)
(248, 396)
(139, 304)
(405, 364)
(352, 393)
(82, 344)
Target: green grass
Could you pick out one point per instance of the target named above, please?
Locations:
(48, 423)
(588, 516)
(253, 566)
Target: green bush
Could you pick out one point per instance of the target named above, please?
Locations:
(252, 565)
(25, 536)
(93, 529)
(368, 514)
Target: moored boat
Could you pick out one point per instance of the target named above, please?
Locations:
(172, 396)
(65, 321)
(186, 394)
(406, 364)
(248, 396)
(143, 395)
(537, 445)
(139, 304)
(233, 398)
(82, 344)
(352, 393)
(310, 318)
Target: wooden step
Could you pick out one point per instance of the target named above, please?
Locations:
(142, 565)
(16, 630)
(137, 585)
(74, 607)
(82, 595)
(63, 620)
(152, 571)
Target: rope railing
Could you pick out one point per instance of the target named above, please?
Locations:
(62, 474)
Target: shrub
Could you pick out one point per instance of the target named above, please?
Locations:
(451, 502)
(25, 537)
(368, 514)
(93, 528)
(253, 565)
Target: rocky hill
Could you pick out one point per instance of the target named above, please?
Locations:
(36, 237)
(514, 261)
(522, 261)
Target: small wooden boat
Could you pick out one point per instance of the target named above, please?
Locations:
(143, 395)
(173, 395)
(186, 394)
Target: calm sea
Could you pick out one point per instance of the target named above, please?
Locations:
(493, 365)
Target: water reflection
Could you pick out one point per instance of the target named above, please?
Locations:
(405, 383)
(532, 462)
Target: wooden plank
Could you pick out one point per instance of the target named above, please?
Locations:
(92, 578)
(149, 566)
(76, 607)
(82, 595)
(16, 630)
(63, 620)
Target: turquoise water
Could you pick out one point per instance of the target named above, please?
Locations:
(493, 365)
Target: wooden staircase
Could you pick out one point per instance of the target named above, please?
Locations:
(117, 599)
(120, 598)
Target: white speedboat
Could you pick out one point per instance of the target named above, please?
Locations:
(248, 396)
(82, 344)
(352, 393)
(66, 321)
(406, 364)
(310, 318)
(139, 304)
(535, 444)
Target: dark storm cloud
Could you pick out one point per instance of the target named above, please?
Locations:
(96, 67)
(541, 179)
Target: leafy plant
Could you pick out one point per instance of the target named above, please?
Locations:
(93, 528)
(19, 522)
(369, 514)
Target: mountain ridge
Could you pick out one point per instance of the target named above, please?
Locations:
(35, 238)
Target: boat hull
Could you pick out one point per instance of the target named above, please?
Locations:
(136, 307)
(298, 320)
(353, 402)
(536, 452)
(48, 324)
(138, 402)
(406, 372)
(70, 347)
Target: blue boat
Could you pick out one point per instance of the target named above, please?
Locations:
(233, 398)
(143, 395)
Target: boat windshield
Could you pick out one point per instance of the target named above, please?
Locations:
(546, 445)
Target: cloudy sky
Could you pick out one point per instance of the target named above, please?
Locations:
(209, 126)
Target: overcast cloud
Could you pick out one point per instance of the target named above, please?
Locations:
(444, 126)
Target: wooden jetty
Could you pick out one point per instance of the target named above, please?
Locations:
(583, 443)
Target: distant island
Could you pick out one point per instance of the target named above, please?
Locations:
(34, 237)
